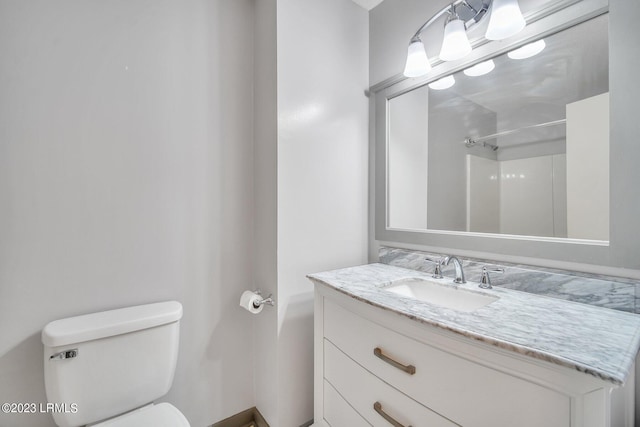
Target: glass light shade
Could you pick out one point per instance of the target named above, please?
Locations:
(455, 44)
(528, 50)
(506, 20)
(480, 69)
(443, 83)
(417, 62)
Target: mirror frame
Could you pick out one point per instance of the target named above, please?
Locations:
(541, 24)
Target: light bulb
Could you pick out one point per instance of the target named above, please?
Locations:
(455, 44)
(528, 50)
(506, 20)
(443, 83)
(417, 62)
(480, 69)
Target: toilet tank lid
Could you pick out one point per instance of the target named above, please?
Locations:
(110, 323)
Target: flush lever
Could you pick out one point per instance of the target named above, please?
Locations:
(66, 354)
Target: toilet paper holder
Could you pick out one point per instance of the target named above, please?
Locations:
(268, 300)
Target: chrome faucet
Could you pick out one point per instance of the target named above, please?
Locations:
(485, 281)
(437, 271)
(458, 265)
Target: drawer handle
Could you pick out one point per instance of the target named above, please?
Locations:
(409, 369)
(378, 408)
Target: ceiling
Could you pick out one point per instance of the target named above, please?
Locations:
(367, 4)
(573, 66)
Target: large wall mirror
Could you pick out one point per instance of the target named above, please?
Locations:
(517, 144)
(508, 151)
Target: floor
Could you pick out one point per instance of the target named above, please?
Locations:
(249, 418)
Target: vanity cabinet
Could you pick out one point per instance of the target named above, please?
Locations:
(376, 367)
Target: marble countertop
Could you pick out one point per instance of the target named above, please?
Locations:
(603, 291)
(598, 341)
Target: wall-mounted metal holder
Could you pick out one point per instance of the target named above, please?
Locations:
(268, 300)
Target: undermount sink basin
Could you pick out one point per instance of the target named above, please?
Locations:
(444, 294)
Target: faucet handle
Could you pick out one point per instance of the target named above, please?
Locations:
(485, 281)
(437, 271)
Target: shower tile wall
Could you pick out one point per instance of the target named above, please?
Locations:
(522, 196)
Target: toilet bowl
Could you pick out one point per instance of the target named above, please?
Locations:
(110, 367)
(160, 415)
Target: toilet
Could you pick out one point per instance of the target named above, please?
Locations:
(106, 369)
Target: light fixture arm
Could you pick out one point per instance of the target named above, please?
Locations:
(433, 19)
(466, 3)
(505, 21)
(478, 14)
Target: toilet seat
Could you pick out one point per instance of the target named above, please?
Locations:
(160, 415)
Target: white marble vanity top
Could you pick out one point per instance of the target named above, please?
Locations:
(598, 341)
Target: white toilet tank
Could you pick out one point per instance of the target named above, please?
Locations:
(104, 364)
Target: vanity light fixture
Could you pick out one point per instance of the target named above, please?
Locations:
(505, 21)
(417, 61)
(443, 83)
(455, 44)
(528, 50)
(480, 69)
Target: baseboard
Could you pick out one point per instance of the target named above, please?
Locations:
(249, 418)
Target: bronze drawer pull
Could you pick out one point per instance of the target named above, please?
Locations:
(409, 369)
(378, 408)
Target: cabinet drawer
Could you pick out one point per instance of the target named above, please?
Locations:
(456, 388)
(337, 412)
(362, 390)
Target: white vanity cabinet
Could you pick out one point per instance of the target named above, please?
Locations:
(379, 368)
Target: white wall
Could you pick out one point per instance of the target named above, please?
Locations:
(526, 196)
(588, 168)
(408, 159)
(322, 174)
(559, 195)
(126, 178)
(265, 325)
(483, 194)
(447, 206)
(522, 196)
